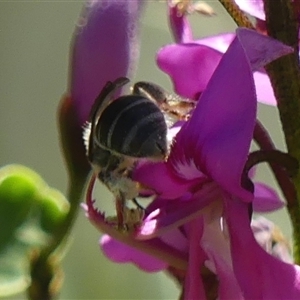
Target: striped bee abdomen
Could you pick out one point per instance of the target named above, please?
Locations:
(133, 125)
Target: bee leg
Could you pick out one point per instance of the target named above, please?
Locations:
(134, 200)
(120, 209)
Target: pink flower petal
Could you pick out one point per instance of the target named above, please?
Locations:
(216, 139)
(218, 135)
(254, 8)
(216, 246)
(193, 287)
(176, 239)
(260, 275)
(228, 285)
(175, 213)
(264, 89)
(162, 180)
(261, 49)
(218, 42)
(121, 253)
(105, 48)
(266, 198)
(179, 24)
(188, 61)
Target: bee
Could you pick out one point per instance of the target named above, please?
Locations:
(122, 131)
(174, 107)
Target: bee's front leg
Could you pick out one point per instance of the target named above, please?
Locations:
(128, 218)
(139, 206)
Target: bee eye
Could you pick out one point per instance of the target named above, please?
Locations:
(133, 125)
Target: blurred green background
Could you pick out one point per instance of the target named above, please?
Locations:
(34, 49)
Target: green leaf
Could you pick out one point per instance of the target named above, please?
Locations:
(30, 212)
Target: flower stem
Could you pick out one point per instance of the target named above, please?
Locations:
(285, 77)
(237, 15)
(75, 193)
(45, 266)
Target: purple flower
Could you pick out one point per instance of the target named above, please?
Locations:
(200, 215)
(179, 24)
(220, 43)
(105, 47)
(209, 54)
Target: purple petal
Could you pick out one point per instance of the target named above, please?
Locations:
(199, 63)
(218, 135)
(162, 181)
(179, 24)
(188, 62)
(260, 275)
(266, 198)
(264, 89)
(193, 287)
(254, 8)
(217, 247)
(176, 239)
(261, 49)
(121, 253)
(228, 287)
(173, 214)
(218, 42)
(105, 48)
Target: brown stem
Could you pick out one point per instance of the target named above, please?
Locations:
(284, 72)
(288, 188)
(273, 157)
(43, 271)
(282, 175)
(237, 15)
(46, 278)
(282, 24)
